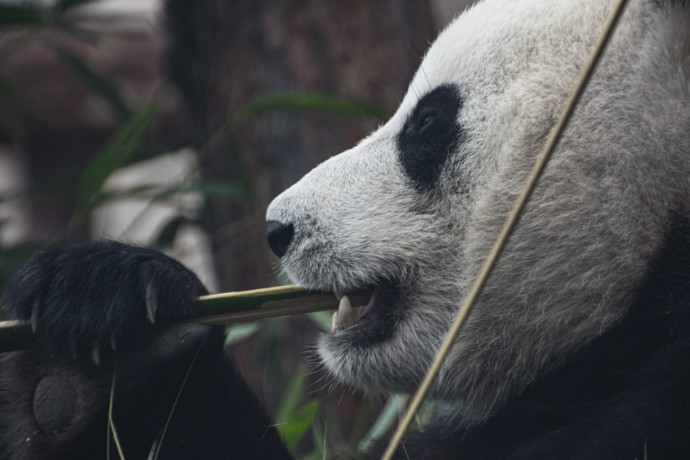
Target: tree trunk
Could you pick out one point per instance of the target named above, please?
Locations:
(362, 49)
(226, 53)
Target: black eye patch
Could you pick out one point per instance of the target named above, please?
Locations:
(430, 133)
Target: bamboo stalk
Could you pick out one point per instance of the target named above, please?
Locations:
(221, 308)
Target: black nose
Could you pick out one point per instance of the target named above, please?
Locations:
(279, 236)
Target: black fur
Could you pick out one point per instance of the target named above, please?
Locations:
(91, 294)
(54, 398)
(429, 134)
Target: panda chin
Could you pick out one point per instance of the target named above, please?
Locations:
(371, 323)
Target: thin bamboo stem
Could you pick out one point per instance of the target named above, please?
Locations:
(222, 308)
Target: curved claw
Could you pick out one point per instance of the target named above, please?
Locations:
(34, 315)
(96, 355)
(151, 298)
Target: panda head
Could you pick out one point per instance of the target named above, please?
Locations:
(412, 210)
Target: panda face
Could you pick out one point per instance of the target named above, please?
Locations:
(411, 212)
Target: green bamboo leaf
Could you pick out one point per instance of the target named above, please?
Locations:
(323, 319)
(113, 155)
(64, 5)
(166, 236)
(293, 430)
(98, 84)
(147, 151)
(11, 259)
(238, 332)
(387, 419)
(152, 192)
(320, 451)
(295, 418)
(292, 397)
(10, 116)
(206, 188)
(142, 192)
(308, 101)
(22, 14)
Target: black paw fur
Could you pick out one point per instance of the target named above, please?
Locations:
(84, 298)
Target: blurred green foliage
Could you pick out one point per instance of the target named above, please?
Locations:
(301, 420)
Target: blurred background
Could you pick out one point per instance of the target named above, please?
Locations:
(173, 123)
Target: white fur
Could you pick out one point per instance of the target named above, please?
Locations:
(598, 217)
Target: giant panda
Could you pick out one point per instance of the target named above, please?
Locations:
(579, 345)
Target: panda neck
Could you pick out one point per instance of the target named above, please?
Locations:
(633, 381)
(657, 322)
(625, 395)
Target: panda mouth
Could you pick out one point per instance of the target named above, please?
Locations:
(375, 320)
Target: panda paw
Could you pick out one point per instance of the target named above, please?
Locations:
(87, 298)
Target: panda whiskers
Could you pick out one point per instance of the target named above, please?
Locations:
(322, 383)
(426, 77)
(325, 382)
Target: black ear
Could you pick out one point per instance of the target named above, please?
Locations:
(430, 133)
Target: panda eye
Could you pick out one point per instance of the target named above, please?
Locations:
(425, 118)
(430, 133)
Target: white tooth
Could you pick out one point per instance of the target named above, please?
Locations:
(345, 307)
(346, 316)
